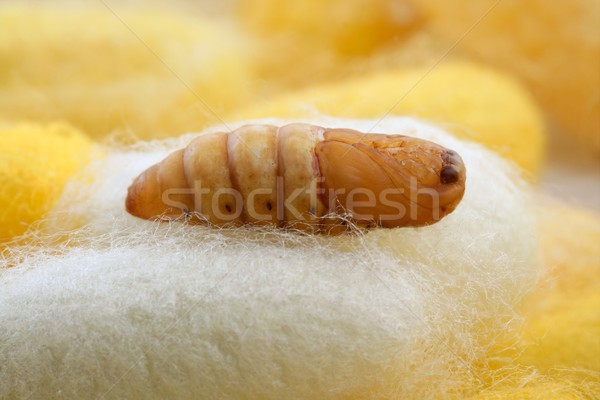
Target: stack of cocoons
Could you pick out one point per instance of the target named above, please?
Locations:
(102, 304)
(117, 71)
(36, 162)
(471, 101)
(552, 50)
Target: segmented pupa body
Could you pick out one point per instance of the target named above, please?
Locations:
(302, 176)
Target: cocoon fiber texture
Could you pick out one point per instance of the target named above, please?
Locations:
(36, 162)
(564, 312)
(102, 304)
(556, 355)
(118, 71)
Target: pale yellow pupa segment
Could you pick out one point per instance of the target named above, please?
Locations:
(207, 173)
(299, 175)
(253, 168)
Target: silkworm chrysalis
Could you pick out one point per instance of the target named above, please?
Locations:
(302, 176)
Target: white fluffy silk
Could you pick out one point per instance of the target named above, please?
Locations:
(100, 304)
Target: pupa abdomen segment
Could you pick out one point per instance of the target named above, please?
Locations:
(302, 176)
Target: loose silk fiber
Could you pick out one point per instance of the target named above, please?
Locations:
(103, 305)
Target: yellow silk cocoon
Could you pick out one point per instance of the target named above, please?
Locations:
(553, 50)
(120, 72)
(301, 42)
(36, 162)
(556, 353)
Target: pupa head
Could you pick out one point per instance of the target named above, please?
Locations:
(393, 180)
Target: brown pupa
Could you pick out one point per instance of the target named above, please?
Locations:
(304, 177)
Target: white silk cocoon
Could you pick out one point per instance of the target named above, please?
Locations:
(104, 305)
